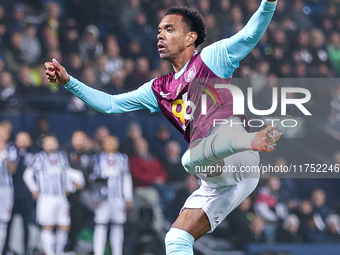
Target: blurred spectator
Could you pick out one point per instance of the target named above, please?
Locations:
(89, 77)
(267, 205)
(164, 67)
(311, 233)
(30, 45)
(259, 77)
(146, 171)
(25, 84)
(173, 165)
(90, 45)
(131, 81)
(303, 212)
(289, 231)
(17, 21)
(112, 50)
(333, 49)
(117, 83)
(134, 132)
(236, 21)
(257, 234)
(14, 55)
(69, 38)
(129, 12)
(214, 33)
(223, 14)
(142, 69)
(191, 184)
(333, 228)
(320, 209)
(52, 17)
(103, 75)
(288, 193)
(99, 136)
(159, 141)
(300, 18)
(204, 7)
(281, 11)
(8, 126)
(39, 132)
(319, 51)
(134, 50)
(308, 229)
(50, 42)
(239, 220)
(75, 65)
(7, 85)
(111, 62)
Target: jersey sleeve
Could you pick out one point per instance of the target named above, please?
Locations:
(29, 173)
(223, 57)
(141, 98)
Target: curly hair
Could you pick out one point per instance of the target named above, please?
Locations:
(193, 19)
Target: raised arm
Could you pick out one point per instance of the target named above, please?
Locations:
(223, 57)
(141, 98)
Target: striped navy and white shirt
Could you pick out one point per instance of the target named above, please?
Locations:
(6, 180)
(115, 168)
(47, 173)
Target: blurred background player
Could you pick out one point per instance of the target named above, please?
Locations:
(46, 178)
(24, 204)
(8, 166)
(79, 159)
(113, 199)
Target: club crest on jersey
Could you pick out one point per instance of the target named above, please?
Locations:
(111, 162)
(190, 75)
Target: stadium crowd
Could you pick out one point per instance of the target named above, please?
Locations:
(111, 46)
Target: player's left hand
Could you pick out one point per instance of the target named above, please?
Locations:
(77, 186)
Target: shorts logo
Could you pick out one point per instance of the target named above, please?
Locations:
(190, 75)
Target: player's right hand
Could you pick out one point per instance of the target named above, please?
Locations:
(56, 73)
(36, 195)
(128, 205)
(265, 140)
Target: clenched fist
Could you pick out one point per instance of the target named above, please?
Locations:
(56, 73)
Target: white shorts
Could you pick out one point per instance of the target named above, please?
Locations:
(219, 195)
(53, 210)
(110, 211)
(6, 198)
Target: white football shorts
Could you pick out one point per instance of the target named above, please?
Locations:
(6, 198)
(53, 210)
(110, 211)
(219, 195)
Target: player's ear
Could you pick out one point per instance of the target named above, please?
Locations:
(192, 37)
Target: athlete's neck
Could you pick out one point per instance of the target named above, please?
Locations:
(182, 59)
